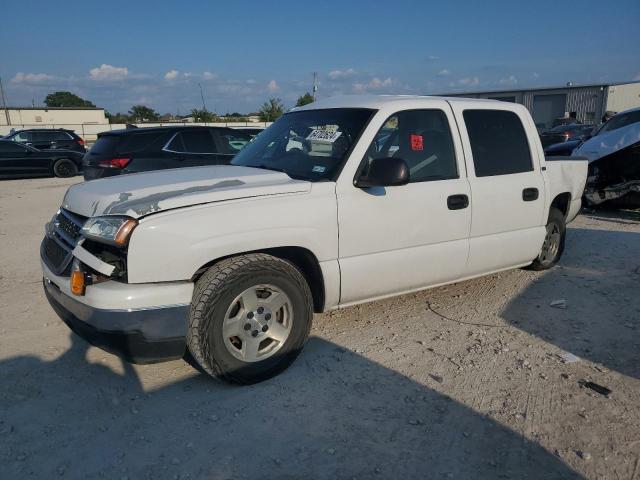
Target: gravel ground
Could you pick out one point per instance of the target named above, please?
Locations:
(463, 381)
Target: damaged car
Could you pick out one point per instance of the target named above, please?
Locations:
(614, 161)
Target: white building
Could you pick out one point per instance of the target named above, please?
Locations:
(54, 117)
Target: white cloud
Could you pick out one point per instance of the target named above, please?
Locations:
(374, 84)
(32, 78)
(171, 75)
(444, 73)
(108, 72)
(469, 81)
(432, 58)
(510, 80)
(537, 75)
(272, 86)
(337, 74)
(209, 76)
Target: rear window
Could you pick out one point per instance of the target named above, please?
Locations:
(498, 142)
(105, 145)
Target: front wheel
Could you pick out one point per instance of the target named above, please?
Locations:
(553, 244)
(65, 168)
(250, 317)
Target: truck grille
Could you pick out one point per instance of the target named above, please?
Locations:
(61, 238)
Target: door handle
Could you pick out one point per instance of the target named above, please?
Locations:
(530, 194)
(457, 202)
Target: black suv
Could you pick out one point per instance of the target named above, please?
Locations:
(144, 149)
(48, 139)
(18, 160)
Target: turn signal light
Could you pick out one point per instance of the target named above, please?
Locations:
(78, 285)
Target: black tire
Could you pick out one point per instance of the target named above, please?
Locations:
(215, 292)
(556, 221)
(64, 168)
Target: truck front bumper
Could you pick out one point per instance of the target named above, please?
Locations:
(143, 334)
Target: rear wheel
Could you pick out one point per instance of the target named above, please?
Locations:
(65, 168)
(553, 244)
(250, 317)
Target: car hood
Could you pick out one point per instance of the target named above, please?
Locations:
(606, 143)
(141, 194)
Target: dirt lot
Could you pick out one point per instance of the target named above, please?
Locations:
(464, 381)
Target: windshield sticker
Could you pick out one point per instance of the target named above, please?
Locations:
(324, 136)
(318, 169)
(417, 143)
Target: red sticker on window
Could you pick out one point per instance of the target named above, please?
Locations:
(416, 142)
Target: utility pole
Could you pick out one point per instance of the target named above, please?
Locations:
(204, 107)
(4, 103)
(315, 85)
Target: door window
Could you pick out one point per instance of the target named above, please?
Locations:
(198, 141)
(422, 138)
(498, 142)
(22, 137)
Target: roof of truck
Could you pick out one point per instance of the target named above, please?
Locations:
(379, 101)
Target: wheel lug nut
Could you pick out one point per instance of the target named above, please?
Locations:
(254, 333)
(267, 316)
(250, 315)
(265, 328)
(247, 326)
(260, 310)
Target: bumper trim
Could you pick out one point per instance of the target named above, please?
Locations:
(138, 335)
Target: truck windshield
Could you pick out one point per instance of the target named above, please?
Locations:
(308, 145)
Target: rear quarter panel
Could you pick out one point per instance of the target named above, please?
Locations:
(567, 176)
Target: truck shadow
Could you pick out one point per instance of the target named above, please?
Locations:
(333, 414)
(598, 276)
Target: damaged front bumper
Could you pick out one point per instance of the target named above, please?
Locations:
(143, 323)
(596, 196)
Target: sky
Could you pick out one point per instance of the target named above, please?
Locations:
(157, 53)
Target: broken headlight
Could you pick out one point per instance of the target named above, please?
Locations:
(111, 230)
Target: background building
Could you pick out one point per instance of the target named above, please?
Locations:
(586, 103)
(51, 116)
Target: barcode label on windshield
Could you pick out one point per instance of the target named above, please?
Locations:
(324, 136)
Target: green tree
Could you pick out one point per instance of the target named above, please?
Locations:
(117, 117)
(203, 115)
(66, 99)
(304, 99)
(271, 110)
(142, 113)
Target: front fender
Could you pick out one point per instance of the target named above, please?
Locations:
(173, 245)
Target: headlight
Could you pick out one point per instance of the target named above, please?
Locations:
(112, 230)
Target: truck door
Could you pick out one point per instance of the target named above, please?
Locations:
(403, 238)
(507, 186)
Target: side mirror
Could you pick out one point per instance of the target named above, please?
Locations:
(384, 172)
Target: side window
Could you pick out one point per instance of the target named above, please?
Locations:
(136, 142)
(422, 138)
(61, 136)
(198, 141)
(43, 137)
(23, 137)
(498, 142)
(233, 142)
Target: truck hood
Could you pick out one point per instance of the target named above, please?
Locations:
(141, 194)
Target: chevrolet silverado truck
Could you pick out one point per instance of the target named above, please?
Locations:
(344, 201)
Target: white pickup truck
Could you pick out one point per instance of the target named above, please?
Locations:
(343, 201)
